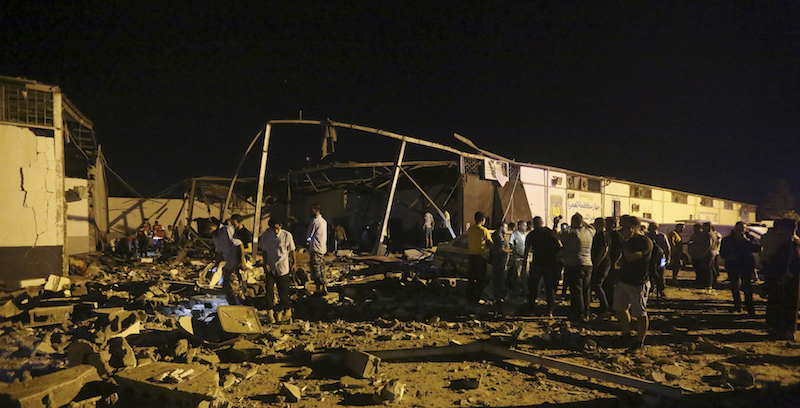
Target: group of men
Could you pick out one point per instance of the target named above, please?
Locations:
(623, 266)
(277, 248)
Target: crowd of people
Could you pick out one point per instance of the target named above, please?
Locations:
(623, 267)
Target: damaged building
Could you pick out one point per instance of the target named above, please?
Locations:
(54, 200)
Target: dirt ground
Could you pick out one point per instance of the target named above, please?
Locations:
(696, 343)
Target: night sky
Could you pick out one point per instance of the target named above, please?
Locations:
(699, 98)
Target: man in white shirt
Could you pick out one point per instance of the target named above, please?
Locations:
(277, 246)
(232, 252)
(518, 270)
(317, 239)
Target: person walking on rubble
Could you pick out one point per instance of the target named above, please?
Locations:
(737, 250)
(277, 245)
(630, 295)
(478, 243)
(231, 249)
(577, 253)
(784, 267)
(317, 240)
(543, 245)
(676, 243)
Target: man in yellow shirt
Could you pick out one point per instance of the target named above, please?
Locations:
(478, 242)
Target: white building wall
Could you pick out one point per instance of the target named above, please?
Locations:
(79, 224)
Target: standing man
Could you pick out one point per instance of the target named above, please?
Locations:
(630, 295)
(478, 243)
(543, 245)
(577, 254)
(785, 266)
(614, 255)
(737, 250)
(500, 252)
(657, 275)
(601, 263)
(700, 252)
(317, 239)
(518, 269)
(427, 227)
(232, 252)
(716, 241)
(676, 243)
(278, 247)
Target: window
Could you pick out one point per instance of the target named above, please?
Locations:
(634, 207)
(556, 181)
(680, 198)
(641, 192)
(706, 202)
(20, 104)
(647, 215)
(595, 185)
(728, 205)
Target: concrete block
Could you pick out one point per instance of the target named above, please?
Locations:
(361, 364)
(52, 390)
(57, 283)
(197, 383)
(16, 306)
(43, 316)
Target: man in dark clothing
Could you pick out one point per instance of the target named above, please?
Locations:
(657, 275)
(737, 250)
(785, 264)
(242, 233)
(614, 254)
(601, 263)
(630, 295)
(700, 252)
(500, 252)
(543, 244)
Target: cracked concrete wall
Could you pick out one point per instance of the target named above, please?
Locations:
(32, 231)
(28, 173)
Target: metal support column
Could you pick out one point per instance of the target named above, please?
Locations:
(397, 169)
(260, 192)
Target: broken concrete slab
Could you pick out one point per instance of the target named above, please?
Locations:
(363, 365)
(16, 306)
(122, 355)
(291, 392)
(82, 352)
(197, 383)
(52, 390)
(43, 316)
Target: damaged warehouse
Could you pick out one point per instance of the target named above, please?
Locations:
(121, 331)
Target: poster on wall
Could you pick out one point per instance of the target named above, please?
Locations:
(588, 204)
(556, 206)
(495, 170)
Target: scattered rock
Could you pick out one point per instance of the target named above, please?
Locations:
(291, 392)
(392, 391)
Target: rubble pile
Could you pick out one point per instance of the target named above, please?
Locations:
(122, 333)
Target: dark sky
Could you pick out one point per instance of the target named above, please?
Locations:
(700, 98)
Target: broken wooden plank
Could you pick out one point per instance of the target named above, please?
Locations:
(604, 375)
